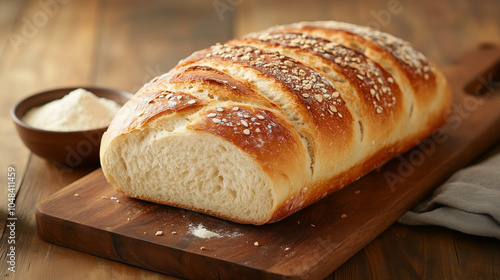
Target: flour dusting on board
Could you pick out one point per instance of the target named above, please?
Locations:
(201, 232)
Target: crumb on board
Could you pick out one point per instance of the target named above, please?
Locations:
(128, 219)
(298, 222)
(203, 248)
(343, 216)
(158, 233)
(174, 232)
(256, 244)
(357, 192)
(313, 225)
(103, 197)
(76, 194)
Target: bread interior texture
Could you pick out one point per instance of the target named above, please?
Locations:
(186, 167)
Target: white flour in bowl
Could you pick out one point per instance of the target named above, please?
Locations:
(78, 110)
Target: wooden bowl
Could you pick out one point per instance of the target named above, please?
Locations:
(66, 149)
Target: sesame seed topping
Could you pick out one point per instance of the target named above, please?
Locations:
(379, 110)
(211, 115)
(243, 122)
(235, 108)
(318, 97)
(333, 108)
(335, 94)
(390, 80)
(216, 120)
(260, 117)
(192, 101)
(372, 91)
(246, 131)
(257, 129)
(360, 77)
(219, 109)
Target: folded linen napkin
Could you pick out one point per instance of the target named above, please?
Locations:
(468, 202)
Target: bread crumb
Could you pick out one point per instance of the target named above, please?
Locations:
(203, 248)
(313, 225)
(76, 194)
(128, 219)
(158, 233)
(357, 192)
(174, 232)
(343, 216)
(256, 244)
(144, 232)
(104, 197)
(298, 222)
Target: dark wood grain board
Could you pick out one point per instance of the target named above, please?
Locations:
(307, 245)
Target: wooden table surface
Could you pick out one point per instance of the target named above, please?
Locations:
(48, 44)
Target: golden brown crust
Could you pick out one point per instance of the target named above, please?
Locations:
(148, 105)
(378, 97)
(262, 134)
(339, 98)
(376, 85)
(413, 63)
(307, 87)
(236, 90)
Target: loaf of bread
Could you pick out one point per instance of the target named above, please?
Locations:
(258, 128)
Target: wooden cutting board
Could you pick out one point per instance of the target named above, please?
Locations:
(91, 217)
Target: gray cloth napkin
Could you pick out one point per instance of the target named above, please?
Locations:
(468, 202)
